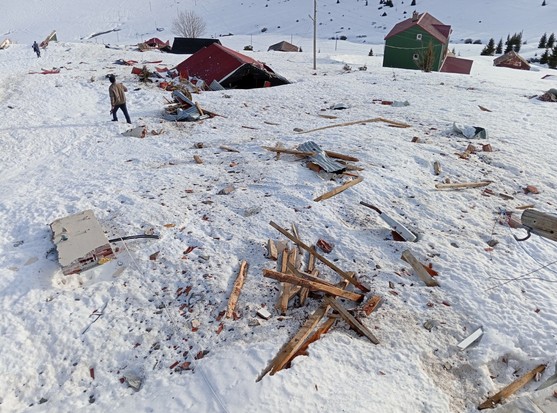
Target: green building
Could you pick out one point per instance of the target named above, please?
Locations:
(420, 42)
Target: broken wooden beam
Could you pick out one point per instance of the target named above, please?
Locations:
(313, 285)
(359, 122)
(463, 185)
(322, 329)
(197, 159)
(349, 318)
(296, 152)
(419, 269)
(511, 388)
(237, 288)
(540, 223)
(272, 252)
(287, 351)
(228, 149)
(339, 189)
(370, 305)
(320, 257)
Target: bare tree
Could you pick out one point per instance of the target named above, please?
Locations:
(189, 24)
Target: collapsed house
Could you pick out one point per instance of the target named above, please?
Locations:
(154, 44)
(284, 47)
(190, 45)
(218, 65)
(422, 41)
(511, 60)
(51, 37)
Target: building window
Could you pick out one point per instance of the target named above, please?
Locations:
(415, 56)
(419, 36)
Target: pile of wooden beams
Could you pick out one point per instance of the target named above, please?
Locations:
(301, 283)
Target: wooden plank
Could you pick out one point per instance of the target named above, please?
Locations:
(288, 287)
(419, 269)
(462, 185)
(339, 189)
(237, 288)
(310, 269)
(542, 224)
(288, 350)
(197, 159)
(272, 252)
(228, 148)
(312, 285)
(359, 122)
(331, 154)
(322, 329)
(370, 305)
(511, 388)
(320, 257)
(436, 167)
(199, 109)
(355, 324)
(307, 276)
(284, 287)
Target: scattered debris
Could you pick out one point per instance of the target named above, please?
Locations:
(339, 189)
(184, 109)
(419, 269)
(436, 167)
(462, 185)
(264, 313)
(484, 109)
(531, 189)
(540, 223)
(471, 339)
(237, 288)
(80, 242)
(360, 122)
(470, 132)
(137, 132)
(404, 232)
(324, 246)
(549, 96)
(494, 400)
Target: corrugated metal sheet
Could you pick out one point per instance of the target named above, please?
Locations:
(321, 158)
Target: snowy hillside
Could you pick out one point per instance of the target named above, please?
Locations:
(146, 331)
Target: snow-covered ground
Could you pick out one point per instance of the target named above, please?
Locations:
(60, 154)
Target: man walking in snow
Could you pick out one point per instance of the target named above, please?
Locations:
(117, 98)
(36, 49)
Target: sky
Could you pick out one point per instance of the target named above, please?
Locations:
(108, 339)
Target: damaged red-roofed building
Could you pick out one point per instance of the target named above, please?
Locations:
(422, 38)
(512, 60)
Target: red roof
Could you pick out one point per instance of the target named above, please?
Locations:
(427, 22)
(216, 62)
(156, 41)
(454, 64)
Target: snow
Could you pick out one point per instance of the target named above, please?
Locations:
(60, 155)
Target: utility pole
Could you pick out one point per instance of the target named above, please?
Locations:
(314, 34)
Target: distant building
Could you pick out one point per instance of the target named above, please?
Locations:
(283, 47)
(190, 45)
(422, 38)
(512, 60)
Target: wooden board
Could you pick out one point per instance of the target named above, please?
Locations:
(287, 351)
(339, 189)
(511, 388)
(343, 274)
(237, 288)
(360, 122)
(462, 185)
(419, 269)
(355, 324)
(312, 285)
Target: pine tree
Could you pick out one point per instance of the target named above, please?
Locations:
(499, 49)
(550, 41)
(413, 3)
(544, 57)
(543, 41)
(370, 52)
(544, 3)
(489, 49)
(552, 59)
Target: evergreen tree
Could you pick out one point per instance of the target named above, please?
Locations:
(413, 3)
(544, 57)
(550, 41)
(543, 41)
(489, 49)
(552, 59)
(544, 3)
(499, 49)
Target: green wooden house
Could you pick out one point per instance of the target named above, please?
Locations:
(420, 42)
